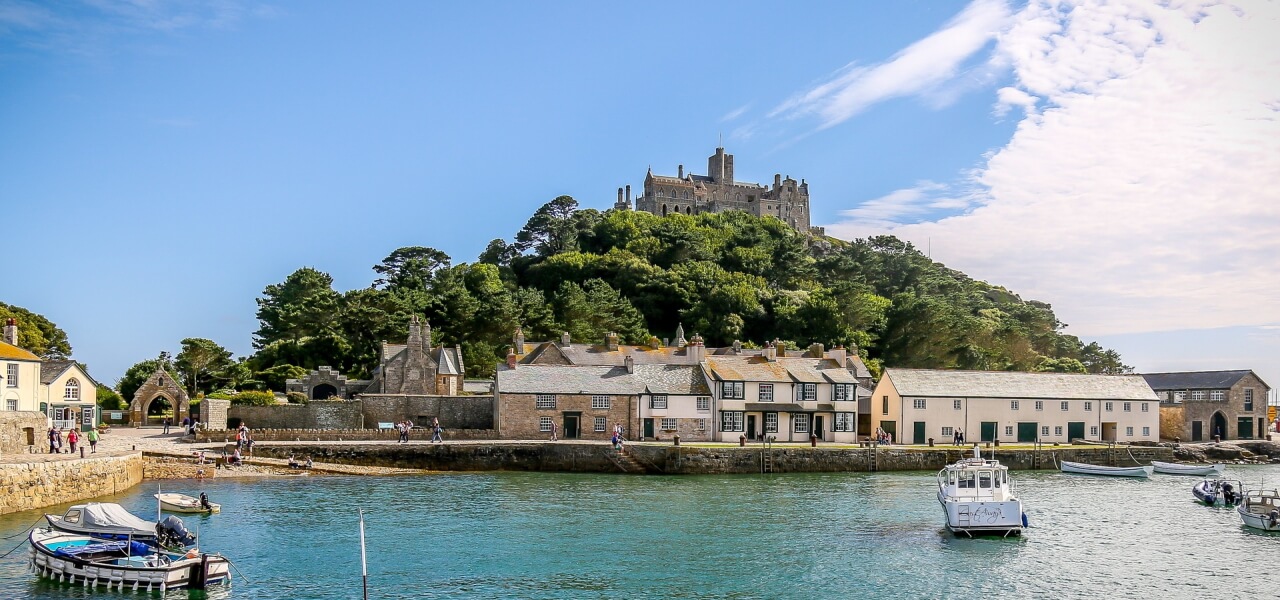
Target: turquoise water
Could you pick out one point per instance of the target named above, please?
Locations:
(544, 535)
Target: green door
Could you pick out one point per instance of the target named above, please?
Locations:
(988, 431)
(917, 433)
(1075, 431)
(1244, 428)
(1027, 432)
(648, 428)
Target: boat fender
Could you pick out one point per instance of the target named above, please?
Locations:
(1024, 520)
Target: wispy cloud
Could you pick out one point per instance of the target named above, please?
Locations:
(922, 69)
(735, 113)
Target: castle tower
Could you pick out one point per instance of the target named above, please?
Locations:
(720, 167)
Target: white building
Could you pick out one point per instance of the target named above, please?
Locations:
(60, 389)
(914, 405)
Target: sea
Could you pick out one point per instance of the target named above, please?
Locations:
(833, 535)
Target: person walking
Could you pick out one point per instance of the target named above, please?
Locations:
(53, 440)
(166, 423)
(554, 431)
(93, 440)
(436, 430)
(73, 438)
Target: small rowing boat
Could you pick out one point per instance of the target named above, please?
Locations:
(182, 503)
(1218, 492)
(1088, 469)
(1180, 469)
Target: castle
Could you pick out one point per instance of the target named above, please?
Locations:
(717, 191)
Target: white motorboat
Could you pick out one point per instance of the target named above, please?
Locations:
(1180, 469)
(1088, 469)
(110, 521)
(1218, 492)
(977, 497)
(80, 559)
(182, 503)
(1261, 509)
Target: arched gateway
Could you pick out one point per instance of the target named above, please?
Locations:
(159, 384)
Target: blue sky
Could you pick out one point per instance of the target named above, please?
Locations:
(162, 162)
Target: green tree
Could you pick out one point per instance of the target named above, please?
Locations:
(108, 399)
(304, 305)
(552, 229)
(201, 358)
(36, 334)
(412, 268)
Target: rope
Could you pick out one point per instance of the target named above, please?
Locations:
(24, 531)
(238, 572)
(1135, 461)
(14, 548)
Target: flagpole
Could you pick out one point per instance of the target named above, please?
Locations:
(364, 569)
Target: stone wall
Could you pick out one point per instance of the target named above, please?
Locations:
(1173, 423)
(455, 412)
(213, 413)
(520, 417)
(341, 435)
(317, 414)
(27, 486)
(21, 430)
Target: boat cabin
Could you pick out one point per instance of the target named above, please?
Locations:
(976, 478)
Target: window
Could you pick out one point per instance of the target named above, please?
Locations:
(1044, 430)
(704, 403)
(955, 404)
(1197, 395)
(1128, 431)
(1057, 430)
(1065, 405)
(12, 404)
(771, 422)
(800, 422)
(72, 392)
(1179, 396)
(1093, 430)
(544, 423)
(806, 392)
(918, 404)
(766, 392)
(1013, 405)
(544, 401)
(845, 421)
(946, 431)
(1088, 406)
(1128, 407)
(600, 423)
(600, 402)
(1216, 395)
(657, 401)
(1145, 408)
(842, 392)
(702, 424)
(731, 420)
(1008, 430)
(11, 377)
(1146, 431)
(1107, 406)
(1248, 399)
(884, 405)
(668, 424)
(1039, 404)
(731, 389)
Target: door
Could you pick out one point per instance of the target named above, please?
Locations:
(1244, 428)
(571, 427)
(1109, 432)
(1075, 431)
(1219, 425)
(917, 433)
(1197, 431)
(988, 431)
(648, 428)
(1027, 432)
(817, 426)
(751, 427)
(891, 428)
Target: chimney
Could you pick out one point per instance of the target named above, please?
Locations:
(628, 195)
(680, 172)
(770, 352)
(518, 340)
(777, 180)
(415, 332)
(680, 341)
(737, 347)
(564, 339)
(11, 331)
(511, 358)
(816, 350)
(695, 351)
(630, 364)
(611, 341)
(837, 354)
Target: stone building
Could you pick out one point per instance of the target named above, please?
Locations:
(1199, 405)
(718, 191)
(414, 368)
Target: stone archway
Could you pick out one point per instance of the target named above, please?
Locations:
(160, 383)
(323, 391)
(1218, 426)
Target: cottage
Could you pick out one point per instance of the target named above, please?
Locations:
(1202, 405)
(58, 388)
(20, 380)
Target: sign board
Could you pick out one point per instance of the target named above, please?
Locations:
(386, 425)
(116, 416)
(86, 416)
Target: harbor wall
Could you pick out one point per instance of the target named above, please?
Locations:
(30, 485)
(454, 412)
(688, 460)
(341, 435)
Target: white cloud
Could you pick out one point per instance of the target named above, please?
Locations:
(923, 68)
(735, 113)
(1143, 193)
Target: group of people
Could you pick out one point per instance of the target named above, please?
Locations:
(58, 445)
(300, 464)
(883, 437)
(244, 440)
(617, 437)
(957, 438)
(406, 426)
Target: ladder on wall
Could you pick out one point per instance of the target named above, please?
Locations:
(766, 456)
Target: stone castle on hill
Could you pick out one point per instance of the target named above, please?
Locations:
(717, 191)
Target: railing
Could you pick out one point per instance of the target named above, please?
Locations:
(64, 423)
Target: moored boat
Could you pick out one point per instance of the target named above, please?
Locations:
(1218, 492)
(182, 503)
(1088, 469)
(1261, 509)
(110, 521)
(83, 560)
(1180, 469)
(977, 497)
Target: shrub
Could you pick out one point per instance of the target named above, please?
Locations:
(297, 398)
(221, 395)
(252, 398)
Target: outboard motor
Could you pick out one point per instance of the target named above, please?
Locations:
(1228, 494)
(172, 533)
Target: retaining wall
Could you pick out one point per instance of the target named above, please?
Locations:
(26, 486)
(341, 435)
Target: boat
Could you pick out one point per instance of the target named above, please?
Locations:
(1218, 492)
(182, 503)
(83, 560)
(1261, 509)
(977, 497)
(1179, 469)
(110, 521)
(1088, 469)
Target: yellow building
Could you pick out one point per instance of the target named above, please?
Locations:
(914, 405)
(68, 395)
(19, 377)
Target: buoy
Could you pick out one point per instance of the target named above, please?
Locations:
(135, 585)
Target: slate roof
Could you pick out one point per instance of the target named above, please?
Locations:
(786, 370)
(446, 357)
(678, 380)
(1011, 384)
(561, 379)
(1192, 380)
(600, 355)
(10, 352)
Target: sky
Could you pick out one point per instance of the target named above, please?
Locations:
(161, 162)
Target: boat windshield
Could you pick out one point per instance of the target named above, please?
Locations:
(965, 479)
(984, 479)
(72, 516)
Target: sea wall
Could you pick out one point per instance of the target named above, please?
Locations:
(341, 435)
(649, 458)
(454, 412)
(26, 486)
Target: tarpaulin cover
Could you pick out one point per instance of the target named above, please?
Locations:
(109, 514)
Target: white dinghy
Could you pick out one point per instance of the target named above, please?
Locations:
(182, 503)
(1261, 509)
(1088, 469)
(977, 497)
(1180, 469)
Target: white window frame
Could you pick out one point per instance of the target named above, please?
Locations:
(72, 391)
(946, 431)
(1044, 430)
(601, 424)
(846, 421)
(1008, 431)
(704, 403)
(1146, 432)
(918, 404)
(807, 392)
(600, 402)
(1179, 396)
(658, 401)
(11, 375)
(1197, 394)
(731, 420)
(956, 404)
(1065, 405)
(1057, 430)
(1039, 404)
(1146, 408)
(1128, 431)
(1248, 399)
(11, 404)
(702, 424)
(1088, 406)
(1108, 406)
(839, 392)
(800, 422)
(731, 390)
(668, 423)
(1093, 430)
(544, 424)
(1013, 405)
(1217, 395)
(765, 392)
(1128, 407)
(771, 422)
(544, 402)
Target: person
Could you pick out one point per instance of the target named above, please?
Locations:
(73, 438)
(242, 437)
(309, 463)
(248, 444)
(166, 423)
(616, 444)
(293, 462)
(200, 457)
(204, 501)
(235, 457)
(93, 440)
(617, 428)
(554, 431)
(200, 473)
(186, 424)
(879, 435)
(62, 443)
(403, 428)
(436, 430)
(53, 440)
(961, 434)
